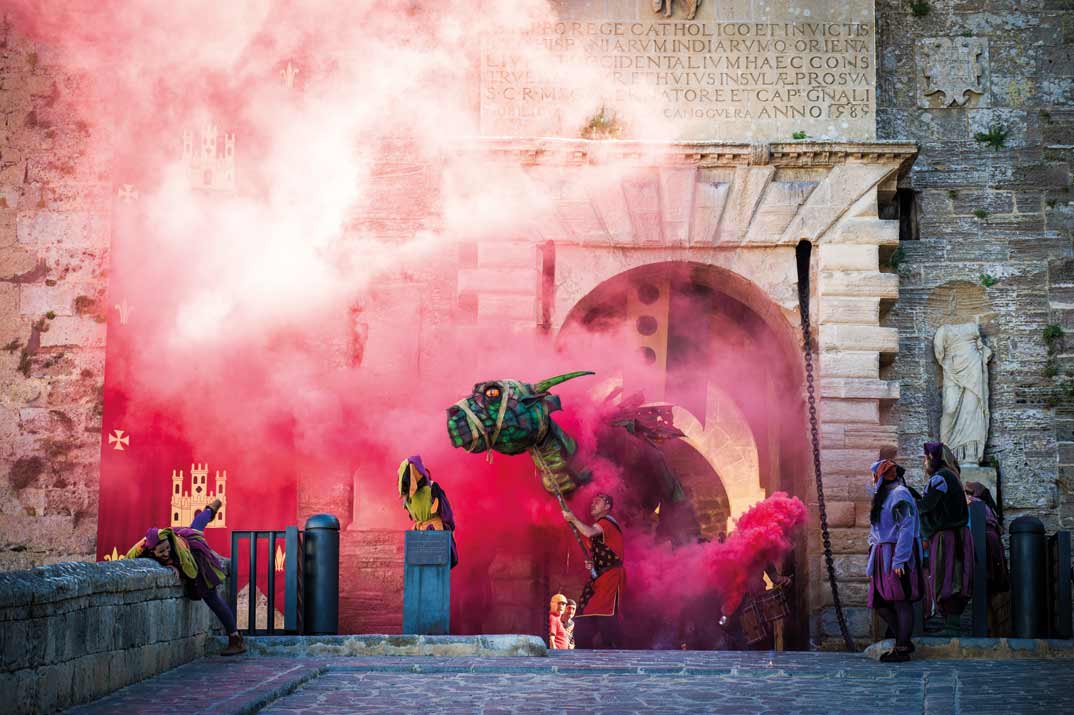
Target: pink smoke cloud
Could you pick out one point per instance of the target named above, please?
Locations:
(255, 346)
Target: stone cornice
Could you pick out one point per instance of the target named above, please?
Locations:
(708, 154)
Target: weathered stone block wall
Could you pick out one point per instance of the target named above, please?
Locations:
(371, 581)
(73, 632)
(54, 209)
(994, 240)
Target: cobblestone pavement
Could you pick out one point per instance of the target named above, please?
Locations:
(601, 682)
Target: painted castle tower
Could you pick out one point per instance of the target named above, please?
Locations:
(185, 504)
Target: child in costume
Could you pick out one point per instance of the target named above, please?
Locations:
(568, 621)
(185, 550)
(557, 633)
(425, 501)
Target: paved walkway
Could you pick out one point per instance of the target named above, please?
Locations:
(603, 682)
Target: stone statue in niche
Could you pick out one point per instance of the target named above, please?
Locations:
(691, 7)
(964, 358)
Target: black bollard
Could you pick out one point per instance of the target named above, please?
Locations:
(1029, 609)
(320, 578)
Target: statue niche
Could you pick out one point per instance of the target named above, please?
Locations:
(964, 358)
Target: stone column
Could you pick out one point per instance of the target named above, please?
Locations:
(852, 290)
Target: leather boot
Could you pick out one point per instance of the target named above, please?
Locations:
(235, 645)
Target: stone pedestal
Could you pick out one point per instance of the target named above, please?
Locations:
(427, 583)
(983, 475)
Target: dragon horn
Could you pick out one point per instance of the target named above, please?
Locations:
(546, 385)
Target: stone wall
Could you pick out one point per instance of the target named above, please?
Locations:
(992, 243)
(986, 235)
(72, 632)
(54, 209)
(994, 230)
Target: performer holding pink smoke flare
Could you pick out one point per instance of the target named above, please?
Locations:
(599, 607)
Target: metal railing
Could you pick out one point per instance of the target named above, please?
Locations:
(292, 574)
(1059, 585)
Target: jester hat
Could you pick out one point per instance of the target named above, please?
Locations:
(413, 468)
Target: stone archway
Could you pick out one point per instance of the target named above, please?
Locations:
(725, 441)
(724, 356)
(693, 317)
(741, 209)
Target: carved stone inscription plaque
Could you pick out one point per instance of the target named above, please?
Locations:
(737, 71)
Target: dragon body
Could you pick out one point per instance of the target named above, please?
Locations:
(512, 417)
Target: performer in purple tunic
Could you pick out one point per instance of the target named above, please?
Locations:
(186, 552)
(944, 524)
(998, 576)
(895, 580)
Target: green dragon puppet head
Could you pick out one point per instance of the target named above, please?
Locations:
(511, 417)
(507, 416)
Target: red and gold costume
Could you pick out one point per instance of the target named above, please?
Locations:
(600, 597)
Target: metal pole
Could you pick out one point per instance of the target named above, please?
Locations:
(233, 574)
(321, 572)
(539, 460)
(251, 590)
(291, 562)
(270, 621)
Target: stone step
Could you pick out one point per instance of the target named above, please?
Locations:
(932, 648)
(858, 338)
(848, 257)
(869, 231)
(859, 284)
(381, 644)
(859, 387)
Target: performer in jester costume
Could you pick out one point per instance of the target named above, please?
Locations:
(185, 551)
(425, 501)
(599, 606)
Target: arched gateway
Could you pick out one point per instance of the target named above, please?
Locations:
(707, 234)
(720, 353)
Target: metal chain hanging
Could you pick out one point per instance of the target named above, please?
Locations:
(807, 350)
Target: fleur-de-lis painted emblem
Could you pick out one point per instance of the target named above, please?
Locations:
(124, 310)
(280, 559)
(127, 193)
(114, 556)
(119, 439)
(288, 75)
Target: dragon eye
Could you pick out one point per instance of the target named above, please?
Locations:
(492, 392)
